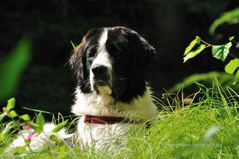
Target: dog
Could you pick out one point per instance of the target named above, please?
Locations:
(111, 91)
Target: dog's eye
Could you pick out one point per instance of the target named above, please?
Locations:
(91, 52)
(114, 49)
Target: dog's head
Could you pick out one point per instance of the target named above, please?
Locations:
(111, 61)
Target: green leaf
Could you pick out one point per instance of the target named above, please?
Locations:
(8, 127)
(2, 137)
(192, 54)
(2, 116)
(40, 120)
(231, 16)
(25, 117)
(11, 68)
(10, 104)
(221, 51)
(197, 40)
(12, 114)
(236, 79)
(59, 126)
(36, 127)
(232, 66)
(231, 38)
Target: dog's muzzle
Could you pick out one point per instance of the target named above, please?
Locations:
(101, 77)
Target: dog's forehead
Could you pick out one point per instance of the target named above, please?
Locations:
(117, 37)
(112, 35)
(116, 33)
(93, 33)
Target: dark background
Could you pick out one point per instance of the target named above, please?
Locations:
(169, 25)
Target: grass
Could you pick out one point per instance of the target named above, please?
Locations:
(208, 127)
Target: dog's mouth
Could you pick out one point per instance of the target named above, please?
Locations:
(101, 86)
(101, 83)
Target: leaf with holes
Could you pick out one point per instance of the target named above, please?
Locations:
(192, 54)
(221, 51)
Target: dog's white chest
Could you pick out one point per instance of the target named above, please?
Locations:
(100, 135)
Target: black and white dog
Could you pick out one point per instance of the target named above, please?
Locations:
(109, 65)
(111, 90)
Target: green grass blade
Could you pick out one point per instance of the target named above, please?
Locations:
(60, 126)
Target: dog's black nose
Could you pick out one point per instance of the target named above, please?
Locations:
(99, 70)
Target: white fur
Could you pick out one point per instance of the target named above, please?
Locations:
(140, 109)
(38, 141)
(102, 59)
(99, 135)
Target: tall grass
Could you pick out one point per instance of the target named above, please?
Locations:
(206, 128)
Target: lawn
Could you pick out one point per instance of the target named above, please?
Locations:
(203, 125)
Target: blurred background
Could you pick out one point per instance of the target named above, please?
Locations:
(169, 25)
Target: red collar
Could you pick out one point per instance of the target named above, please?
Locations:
(104, 119)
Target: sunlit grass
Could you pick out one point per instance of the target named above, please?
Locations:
(206, 128)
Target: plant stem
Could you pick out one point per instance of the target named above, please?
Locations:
(208, 44)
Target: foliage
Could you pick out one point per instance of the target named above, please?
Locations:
(206, 128)
(22, 123)
(205, 78)
(12, 67)
(219, 52)
(230, 17)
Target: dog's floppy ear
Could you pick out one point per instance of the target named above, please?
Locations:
(76, 60)
(143, 50)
